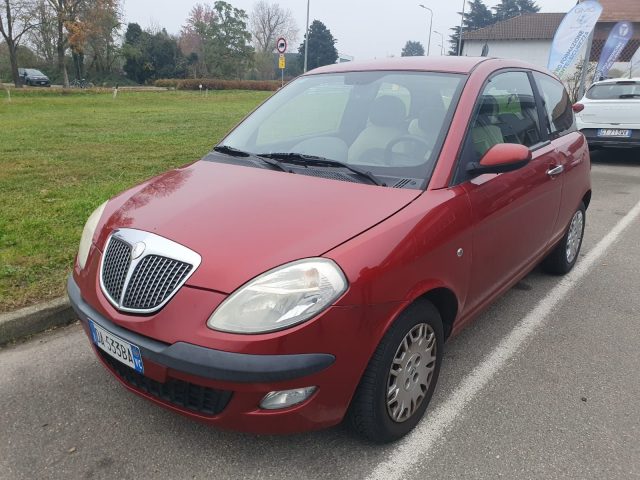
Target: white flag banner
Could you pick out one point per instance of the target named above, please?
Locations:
(635, 63)
(572, 34)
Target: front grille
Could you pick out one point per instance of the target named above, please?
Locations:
(188, 396)
(153, 280)
(141, 271)
(117, 259)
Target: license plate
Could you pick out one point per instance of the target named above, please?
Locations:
(614, 132)
(43, 83)
(116, 347)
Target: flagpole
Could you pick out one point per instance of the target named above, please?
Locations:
(306, 39)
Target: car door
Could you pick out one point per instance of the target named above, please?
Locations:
(513, 213)
(570, 146)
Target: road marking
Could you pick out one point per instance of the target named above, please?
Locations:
(417, 445)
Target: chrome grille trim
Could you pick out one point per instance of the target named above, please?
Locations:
(118, 256)
(140, 271)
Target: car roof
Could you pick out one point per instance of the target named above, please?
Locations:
(617, 80)
(450, 64)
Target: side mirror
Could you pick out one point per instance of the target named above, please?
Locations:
(501, 158)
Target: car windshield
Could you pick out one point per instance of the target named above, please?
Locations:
(611, 91)
(389, 124)
(31, 71)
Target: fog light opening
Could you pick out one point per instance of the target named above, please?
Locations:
(286, 398)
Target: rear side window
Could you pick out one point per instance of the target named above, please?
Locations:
(615, 91)
(557, 104)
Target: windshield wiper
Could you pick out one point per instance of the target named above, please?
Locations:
(234, 152)
(630, 95)
(302, 159)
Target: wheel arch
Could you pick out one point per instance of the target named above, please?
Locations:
(446, 302)
(587, 199)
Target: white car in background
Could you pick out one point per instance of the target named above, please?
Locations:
(609, 113)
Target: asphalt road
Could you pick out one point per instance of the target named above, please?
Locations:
(562, 403)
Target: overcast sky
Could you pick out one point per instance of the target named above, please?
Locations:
(364, 28)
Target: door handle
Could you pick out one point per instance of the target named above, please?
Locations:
(555, 171)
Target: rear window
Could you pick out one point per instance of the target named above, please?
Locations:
(614, 91)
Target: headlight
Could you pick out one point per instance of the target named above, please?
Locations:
(281, 298)
(87, 235)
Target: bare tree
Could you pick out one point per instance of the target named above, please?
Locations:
(17, 18)
(572, 80)
(42, 38)
(269, 21)
(66, 12)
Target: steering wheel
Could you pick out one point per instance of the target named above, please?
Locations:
(419, 153)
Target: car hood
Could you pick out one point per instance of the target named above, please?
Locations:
(244, 221)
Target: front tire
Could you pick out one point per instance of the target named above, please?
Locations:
(563, 258)
(399, 381)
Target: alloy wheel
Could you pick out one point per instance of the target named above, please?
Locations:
(574, 238)
(411, 372)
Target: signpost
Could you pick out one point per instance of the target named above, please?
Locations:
(281, 46)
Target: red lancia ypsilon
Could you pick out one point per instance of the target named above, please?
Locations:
(311, 267)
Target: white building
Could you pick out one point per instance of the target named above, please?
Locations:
(529, 37)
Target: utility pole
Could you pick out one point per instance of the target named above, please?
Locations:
(306, 40)
(464, 4)
(430, 28)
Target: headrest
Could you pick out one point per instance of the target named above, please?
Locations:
(432, 113)
(489, 105)
(388, 111)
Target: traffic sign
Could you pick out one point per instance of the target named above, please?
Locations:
(281, 45)
(282, 62)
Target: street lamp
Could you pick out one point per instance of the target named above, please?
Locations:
(441, 42)
(464, 4)
(430, 27)
(306, 40)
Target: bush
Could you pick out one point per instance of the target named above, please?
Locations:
(214, 84)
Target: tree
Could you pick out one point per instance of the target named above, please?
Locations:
(322, 46)
(507, 9)
(477, 16)
(192, 41)
(227, 50)
(269, 21)
(413, 49)
(151, 56)
(42, 37)
(17, 18)
(65, 11)
(102, 20)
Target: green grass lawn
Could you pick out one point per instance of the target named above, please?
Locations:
(62, 155)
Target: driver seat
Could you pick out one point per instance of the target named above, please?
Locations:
(387, 121)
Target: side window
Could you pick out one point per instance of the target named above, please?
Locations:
(558, 107)
(505, 113)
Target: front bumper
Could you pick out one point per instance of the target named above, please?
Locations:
(233, 384)
(594, 140)
(205, 362)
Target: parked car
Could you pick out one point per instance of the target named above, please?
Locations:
(609, 113)
(311, 267)
(33, 77)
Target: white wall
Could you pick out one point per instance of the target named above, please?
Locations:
(532, 51)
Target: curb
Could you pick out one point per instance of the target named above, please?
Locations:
(29, 321)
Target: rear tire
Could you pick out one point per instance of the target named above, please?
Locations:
(564, 256)
(399, 381)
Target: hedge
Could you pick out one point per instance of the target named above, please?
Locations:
(213, 84)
